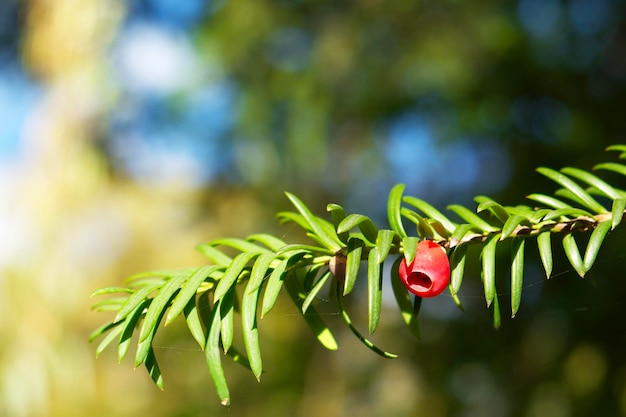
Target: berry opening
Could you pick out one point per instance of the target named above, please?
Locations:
(419, 281)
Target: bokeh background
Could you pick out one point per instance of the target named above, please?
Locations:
(132, 130)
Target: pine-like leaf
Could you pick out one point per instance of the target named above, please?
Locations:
(355, 248)
(457, 268)
(384, 240)
(576, 189)
(488, 256)
(617, 212)
(312, 295)
(249, 311)
(573, 255)
(517, 273)
(431, 212)
(227, 318)
(159, 304)
(472, 218)
(317, 225)
(545, 251)
(214, 356)
(232, 273)
(498, 211)
(593, 181)
(110, 337)
(338, 214)
(403, 300)
(393, 210)
(194, 324)
(275, 281)
(190, 288)
(409, 245)
(130, 323)
(374, 290)
(595, 241)
(364, 223)
(153, 369)
(268, 240)
(312, 318)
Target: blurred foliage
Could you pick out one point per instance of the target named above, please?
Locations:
(110, 165)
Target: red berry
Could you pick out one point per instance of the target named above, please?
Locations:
(429, 273)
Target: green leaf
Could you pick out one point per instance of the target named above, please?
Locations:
(612, 166)
(532, 215)
(403, 298)
(355, 249)
(617, 212)
(488, 256)
(393, 209)
(424, 228)
(153, 369)
(232, 273)
(366, 342)
(331, 241)
(486, 203)
(313, 250)
(194, 324)
(566, 212)
(495, 313)
(214, 254)
(111, 290)
(457, 268)
(364, 223)
(517, 273)
(578, 191)
(159, 275)
(312, 295)
(289, 216)
(130, 323)
(227, 318)
(338, 214)
(110, 304)
(268, 240)
(249, 310)
(374, 289)
(619, 148)
(438, 227)
(205, 308)
(159, 304)
(548, 201)
(102, 330)
(593, 181)
(430, 211)
(511, 225)
(384, 240)
(409, 245)
(545, 251)
(472, 218)
(213, 356)
(239, 244)
(134, 300)
(460, 232)
(573, 255)
(144, 346)
(260, 268)
(111, 336)
(275, 281)
(595, 241)
(312, 318)
(189, 289)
